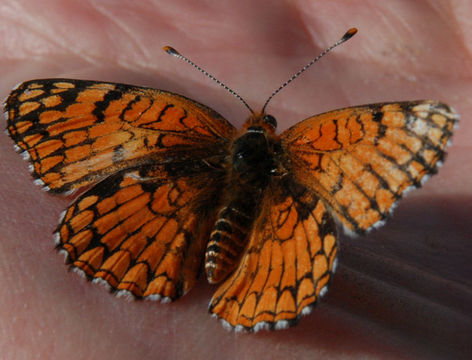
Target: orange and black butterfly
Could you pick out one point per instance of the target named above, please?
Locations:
(173, 186)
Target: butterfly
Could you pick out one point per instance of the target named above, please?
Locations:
(172, 186)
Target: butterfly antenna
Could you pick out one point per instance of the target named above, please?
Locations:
(349, 34)
(173, 52)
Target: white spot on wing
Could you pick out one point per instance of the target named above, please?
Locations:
(323, 291)
(66, 257)
(69, 192)
(57, 239)
(226, 325)
(408, 190)
(426, 177)
(25, 155)
(79, 271)
(166, 300)
(127, 295)
(306, 310)
(281, 324)
(102, 282)
(419, 127)
(239, 329)
(153, 297)
(348, 231)
(62, 216)
(38, 182)
(378, 224)
(335, 265)
(261, 326)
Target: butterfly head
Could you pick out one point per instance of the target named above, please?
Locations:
(261, 120)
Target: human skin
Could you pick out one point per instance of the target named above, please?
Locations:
(401, 291)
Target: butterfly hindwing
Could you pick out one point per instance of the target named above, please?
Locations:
(76, 132)
(361, 160)
(141, 232)
(287, 264)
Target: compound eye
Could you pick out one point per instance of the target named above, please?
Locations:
(269, 119)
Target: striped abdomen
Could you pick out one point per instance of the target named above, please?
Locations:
(228, 238)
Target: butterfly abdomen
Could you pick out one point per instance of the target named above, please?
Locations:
(251, 166)
(228, 238)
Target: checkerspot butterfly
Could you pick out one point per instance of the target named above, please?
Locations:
(171, 185)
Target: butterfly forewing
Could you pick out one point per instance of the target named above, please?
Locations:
(77, 132)
(361, 160)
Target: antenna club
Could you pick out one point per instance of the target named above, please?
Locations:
(349, 34)
(173, 52)
(170, 50)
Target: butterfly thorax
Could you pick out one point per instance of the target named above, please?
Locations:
(252, 159)
(253, 163)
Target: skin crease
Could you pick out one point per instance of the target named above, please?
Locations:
(403, 291)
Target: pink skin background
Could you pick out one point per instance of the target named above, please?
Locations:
(403, 291)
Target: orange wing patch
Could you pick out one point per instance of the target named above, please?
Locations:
(361, 160)
(287, 265)
(140, 233)
(77, 132)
